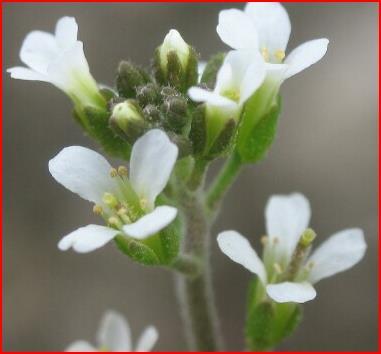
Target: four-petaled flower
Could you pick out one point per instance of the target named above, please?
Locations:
(286, 272)
(126, 203)
(266, 27)
(114, 335)
(60, 60)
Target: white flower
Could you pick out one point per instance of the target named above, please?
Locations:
(126, 203)
(265, 27)
(240, 75)
(59, 59)
(173, 42)
(114, 335)
(286, 272)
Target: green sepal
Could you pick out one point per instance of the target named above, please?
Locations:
(137, 251)
(268, 322)
(191, 72)
(96, 123)
(170, 242)
(255, 139)
(198, 130)
(128, 78)
(210, 72)
(223, 141)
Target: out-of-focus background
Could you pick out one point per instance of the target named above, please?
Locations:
(326, 148)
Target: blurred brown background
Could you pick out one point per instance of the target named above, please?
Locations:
(326, 148)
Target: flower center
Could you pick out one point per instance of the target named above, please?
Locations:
(275, 57)
(121, 208)
(296, 269)
(232, 94)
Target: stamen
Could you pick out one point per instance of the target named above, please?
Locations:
(114, 221)
(265, 53)
(264, 240)
(275, 241)
(143, 203)
(122, 213)
(310, 265)
(97, 209)
(277, 268)
(122, 171)
(280, 55)
(113, 172)
(110, 200)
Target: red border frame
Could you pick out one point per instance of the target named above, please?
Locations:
(197, 1)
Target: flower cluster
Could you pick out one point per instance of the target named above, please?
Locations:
(168, 122)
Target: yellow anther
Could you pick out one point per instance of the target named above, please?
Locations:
(110, 200)
(97, 209)
(114, 221)
(265, 53)
(277, 268)
(122, 171)
(122, 211)
(280, 55)
(113, 172)
(143, 203)
(264, 240)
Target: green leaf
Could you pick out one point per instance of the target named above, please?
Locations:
(254, 143)
(97, 125)
(210, 73)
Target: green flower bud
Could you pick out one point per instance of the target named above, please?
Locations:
(175, 62)
(148, 94)
(127, 120)
(128, 78)
(175, 110)
(152, 113)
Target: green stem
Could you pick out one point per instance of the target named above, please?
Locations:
(195, 293)
(197, 177)
(223, 181)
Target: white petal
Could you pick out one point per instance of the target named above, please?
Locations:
(88, 238)
(83, 171)
(38, 50)
(340, 252)
(19, 72)
(224, 79)
(114, 333)
(153, 157)
(147, 340)
(239, 250)
(151, 223)
(287, 216)
(254, 77)
(80, 346)
(272, 24)
(66, 32)
(198, 94)
(291, 292)
(200, 68)
(69, 68)
(305, 55)
(236, 29)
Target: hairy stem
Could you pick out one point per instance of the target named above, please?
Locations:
(195, 292)
(223, 182)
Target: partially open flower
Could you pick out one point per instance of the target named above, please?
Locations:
(241, 74)
(125, 200)
(114, 335)
(286, 270)
(59, 59)
(265, 27)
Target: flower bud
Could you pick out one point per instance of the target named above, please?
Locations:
(176, 62)
(152, 113)
(175, 110)
(147, 94)
(127, 120)
(128, 78)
